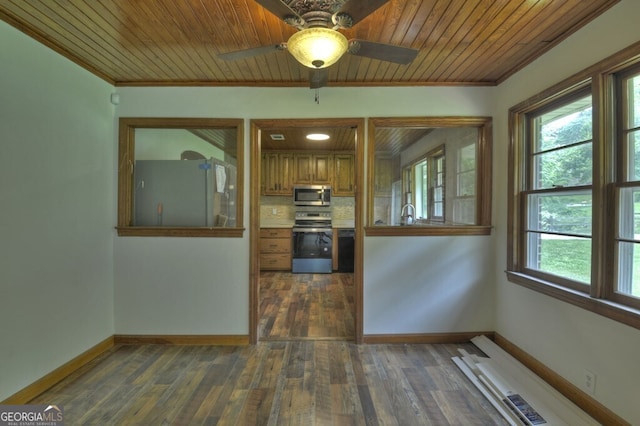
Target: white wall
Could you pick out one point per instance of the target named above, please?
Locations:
(56, 210)
(428, 285)
(565, 338)
(200, 286)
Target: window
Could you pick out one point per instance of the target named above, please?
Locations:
(574, 198)
(428, 187)
(558, 194)
(180, 177)
(464, 197)
(627, 238)
(432, 173)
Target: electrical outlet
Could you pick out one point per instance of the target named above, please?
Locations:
(589, 380)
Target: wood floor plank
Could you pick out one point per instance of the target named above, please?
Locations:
(274, 383)
(303, 306)
(323, 402)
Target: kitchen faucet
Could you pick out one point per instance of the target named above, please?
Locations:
(408, 212)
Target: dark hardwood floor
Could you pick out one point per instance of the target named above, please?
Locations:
(306, 306)
(273, 383)
(305, 371)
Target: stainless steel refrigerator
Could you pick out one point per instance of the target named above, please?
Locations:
(184, 193)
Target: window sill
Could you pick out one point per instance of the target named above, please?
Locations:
(144, 231)
(425, 230)
(606, 308)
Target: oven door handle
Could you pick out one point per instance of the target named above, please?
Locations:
(312, 230)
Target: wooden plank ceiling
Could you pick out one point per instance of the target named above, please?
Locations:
(169, 42)
(390, 140)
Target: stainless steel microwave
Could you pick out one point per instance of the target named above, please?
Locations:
(312, 195)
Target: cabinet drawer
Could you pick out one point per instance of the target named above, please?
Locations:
(275, 261)
(275, 233)
(275, 245)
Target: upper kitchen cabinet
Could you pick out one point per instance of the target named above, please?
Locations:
(307, 152)
(383, 174)
(343, 175)
(313, 168)
(277, 173)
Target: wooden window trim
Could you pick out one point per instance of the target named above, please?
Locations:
(126, 156)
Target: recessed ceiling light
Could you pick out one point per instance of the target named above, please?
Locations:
(317, 136)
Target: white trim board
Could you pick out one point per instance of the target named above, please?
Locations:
(516, 392)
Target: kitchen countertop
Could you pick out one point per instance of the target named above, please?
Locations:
(283, 223)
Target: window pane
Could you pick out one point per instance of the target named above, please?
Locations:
(628, 269)
(467, 158)
(464, 210)
(466, 165)
(420, 179)
(570, 166)
(560, 213)
(567, 257)
(571, 123)
(629, 218)
(437, 209)
(633, 90)
(467, 183)
(633, 166)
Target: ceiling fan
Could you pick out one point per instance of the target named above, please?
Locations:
(318, 44)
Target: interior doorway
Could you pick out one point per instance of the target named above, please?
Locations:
(296, 306)
(309, 296)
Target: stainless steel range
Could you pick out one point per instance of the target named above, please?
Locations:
(312, 242)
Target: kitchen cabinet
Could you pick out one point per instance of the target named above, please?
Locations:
(277, 173)
(383, 175)
(275, 249)
(343, 175)
(281, 170)
(313, 168)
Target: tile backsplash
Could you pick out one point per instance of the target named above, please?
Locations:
(276, 208)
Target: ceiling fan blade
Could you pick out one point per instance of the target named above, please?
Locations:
(250, 53)
(278, 8)
(384, 52)
(318, 78)
(360, 9)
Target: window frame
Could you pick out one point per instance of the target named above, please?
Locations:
(483, 176)
(599, 297)
(622, 181)
(459, 196)
(429, 160)
(529, 188)
(126, 159)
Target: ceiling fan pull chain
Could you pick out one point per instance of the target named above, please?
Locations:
(318, 96)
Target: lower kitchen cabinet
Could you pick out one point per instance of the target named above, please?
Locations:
(275, 249)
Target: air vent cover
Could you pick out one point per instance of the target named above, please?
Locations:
(277, 137)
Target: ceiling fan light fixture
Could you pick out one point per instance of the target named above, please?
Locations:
(317, 47)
